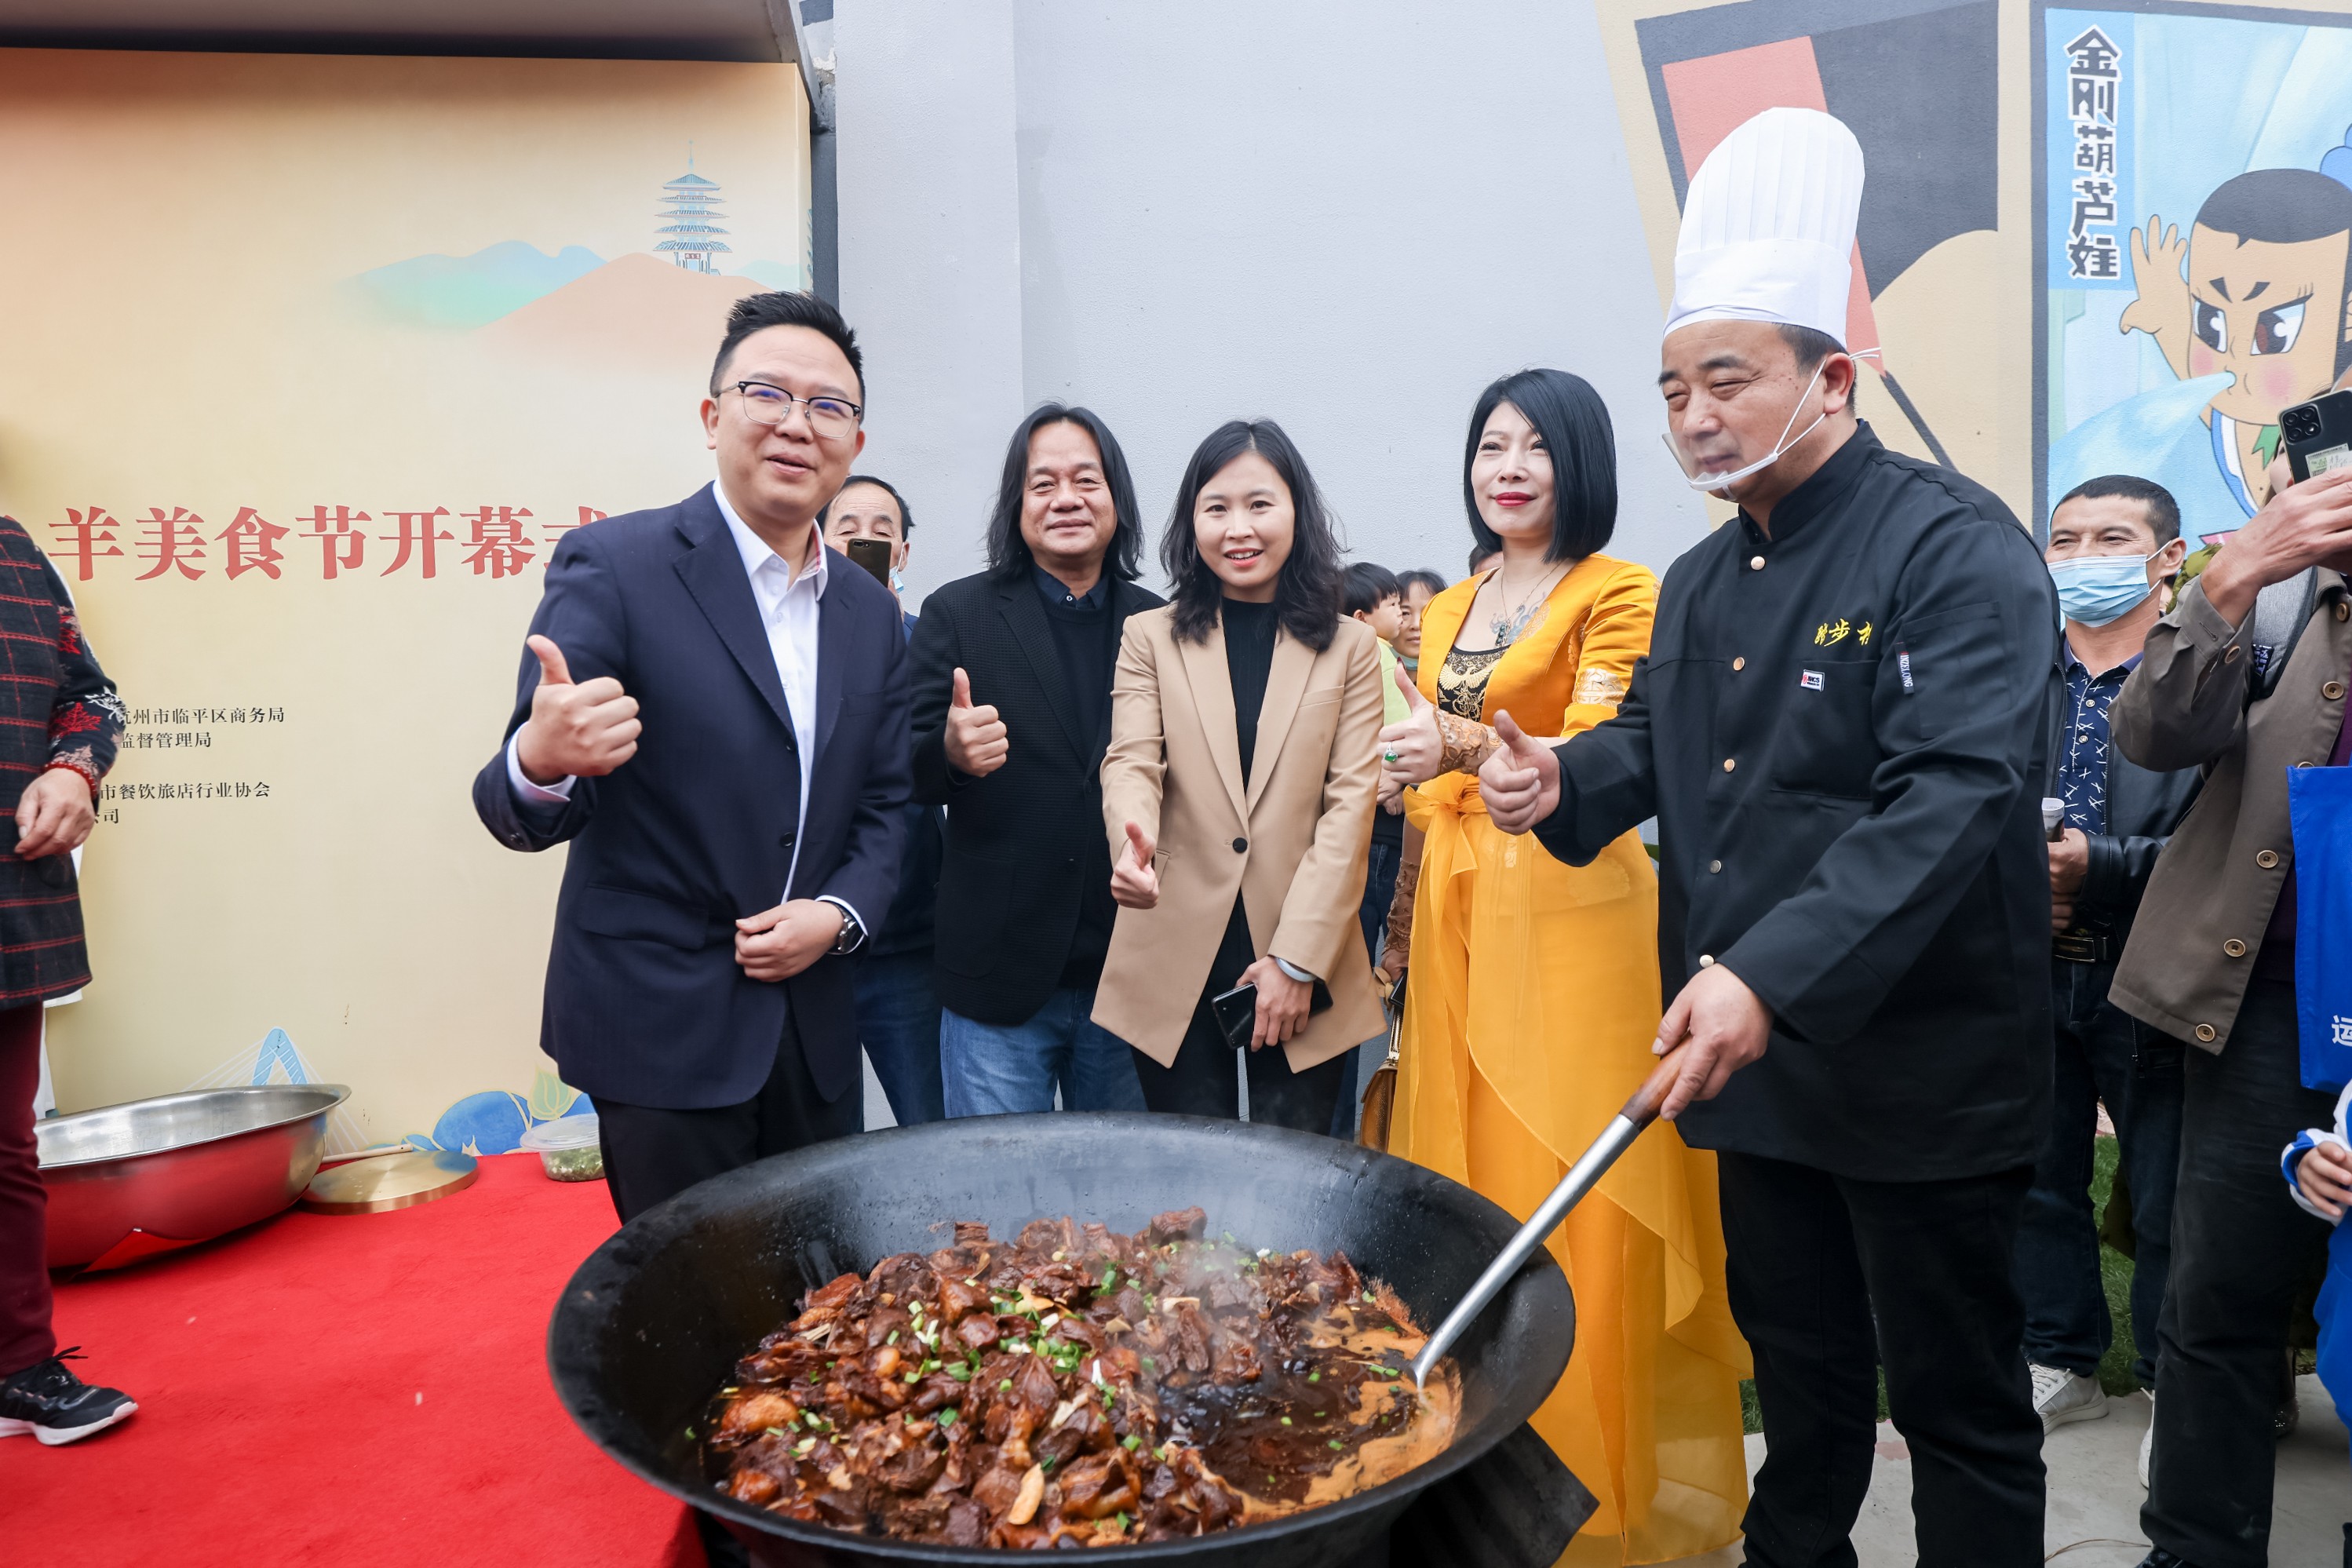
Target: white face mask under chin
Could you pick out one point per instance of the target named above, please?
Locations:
(1716, 482)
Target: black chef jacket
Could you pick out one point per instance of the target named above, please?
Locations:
(1839, 730)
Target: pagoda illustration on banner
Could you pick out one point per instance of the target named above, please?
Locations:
(691, 235)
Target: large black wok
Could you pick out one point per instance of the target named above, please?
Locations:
(652, 1322)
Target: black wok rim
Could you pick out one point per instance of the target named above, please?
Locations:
(602, 1272)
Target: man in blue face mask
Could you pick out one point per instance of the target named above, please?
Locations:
(2112, 541)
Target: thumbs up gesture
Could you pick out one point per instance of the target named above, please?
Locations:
(1411, 748)
(975, 737)
(582, 731)
(1520, 782)
(1134, 881)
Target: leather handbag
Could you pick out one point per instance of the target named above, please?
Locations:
(1379, 1094)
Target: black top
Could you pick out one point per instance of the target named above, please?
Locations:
(2139, 809)
(1024, 899)
(1842, 731)
(1088, 648)
(1249, 659)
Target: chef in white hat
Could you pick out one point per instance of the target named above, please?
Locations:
(1839, 730)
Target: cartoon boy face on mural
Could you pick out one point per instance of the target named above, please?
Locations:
(2266, 297)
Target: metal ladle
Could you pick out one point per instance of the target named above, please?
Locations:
(1594, 1162)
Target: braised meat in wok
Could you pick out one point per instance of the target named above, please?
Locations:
(1076, 1387)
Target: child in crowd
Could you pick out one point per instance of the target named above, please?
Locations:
(2318, 1166)
(1419, 588)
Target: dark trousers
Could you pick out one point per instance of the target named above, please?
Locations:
(2106, 1054)
(899, 1025)
(2240, 1252)
(1813, 1260)
(1386, 858)
(25, 1337)
(1206, 1080)
(652, 1155)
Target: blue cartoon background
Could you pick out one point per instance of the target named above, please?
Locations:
(2183, 104)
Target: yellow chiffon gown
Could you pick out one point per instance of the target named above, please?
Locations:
(1530, 1014)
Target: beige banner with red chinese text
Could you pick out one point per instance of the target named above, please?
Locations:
(313, 361)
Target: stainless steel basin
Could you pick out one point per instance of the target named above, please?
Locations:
(179, 1168)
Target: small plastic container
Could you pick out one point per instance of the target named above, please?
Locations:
(567, 1148)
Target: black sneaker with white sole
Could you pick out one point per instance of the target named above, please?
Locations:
(48, 1400)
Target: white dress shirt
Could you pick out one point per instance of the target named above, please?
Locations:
(787, 609)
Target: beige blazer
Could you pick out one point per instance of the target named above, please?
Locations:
(1292, 845)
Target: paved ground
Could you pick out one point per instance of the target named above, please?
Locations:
(2094, 1495)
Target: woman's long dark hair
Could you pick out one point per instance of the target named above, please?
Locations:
(1008, 553)
(1574, 425)
(1306, 594)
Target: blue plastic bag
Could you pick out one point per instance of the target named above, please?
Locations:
(2319, 805)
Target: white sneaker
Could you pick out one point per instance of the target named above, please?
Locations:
(2063, 1396)
(2146, 1439)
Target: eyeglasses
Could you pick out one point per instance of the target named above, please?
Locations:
(766, 405)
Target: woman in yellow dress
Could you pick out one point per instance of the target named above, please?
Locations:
(1533, 999)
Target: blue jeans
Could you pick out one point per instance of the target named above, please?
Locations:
(995, 1069)
(899, 1025)
(2102, 1054)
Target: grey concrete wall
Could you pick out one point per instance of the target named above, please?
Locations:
(1347, 215)
(931, 256)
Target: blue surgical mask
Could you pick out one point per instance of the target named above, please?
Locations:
(2096, 589)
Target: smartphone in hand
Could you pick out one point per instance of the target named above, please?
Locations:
(1236, 1014)
(874, 554)
(2317, 435)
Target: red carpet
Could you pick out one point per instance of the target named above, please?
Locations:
(355, 1390)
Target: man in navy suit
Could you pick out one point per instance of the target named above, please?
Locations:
(712, 712)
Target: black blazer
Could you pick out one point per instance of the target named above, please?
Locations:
(645, 1002)
(1022, 842)
(2143, 808)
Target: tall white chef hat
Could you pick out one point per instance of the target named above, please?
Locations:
(1768, 228)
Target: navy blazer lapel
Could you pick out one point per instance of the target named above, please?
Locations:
(713, 573)
(1025, 611)
(834, 651)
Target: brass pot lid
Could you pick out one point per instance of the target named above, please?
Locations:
(390, 1182)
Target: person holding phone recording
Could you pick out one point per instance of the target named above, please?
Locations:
(1238, 795)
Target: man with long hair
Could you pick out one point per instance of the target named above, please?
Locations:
(1012, 713)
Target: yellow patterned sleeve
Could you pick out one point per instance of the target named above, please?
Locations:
(1616, 635)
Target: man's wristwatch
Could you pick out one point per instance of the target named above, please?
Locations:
(853, 931)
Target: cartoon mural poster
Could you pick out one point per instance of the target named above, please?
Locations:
(2196, 248)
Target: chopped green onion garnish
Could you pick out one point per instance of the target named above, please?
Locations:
(1002, 1386)
(893, 1339)
(947, 1418)
(1337, 1444)
(1367, 1295)
(1286, 1421)
(1131, 1443)
(1314, 1377)
(1161, 1454)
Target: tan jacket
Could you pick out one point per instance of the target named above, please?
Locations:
(1293, 846)
(2217, 883)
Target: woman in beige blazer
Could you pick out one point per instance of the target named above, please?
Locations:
(1238, 793)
